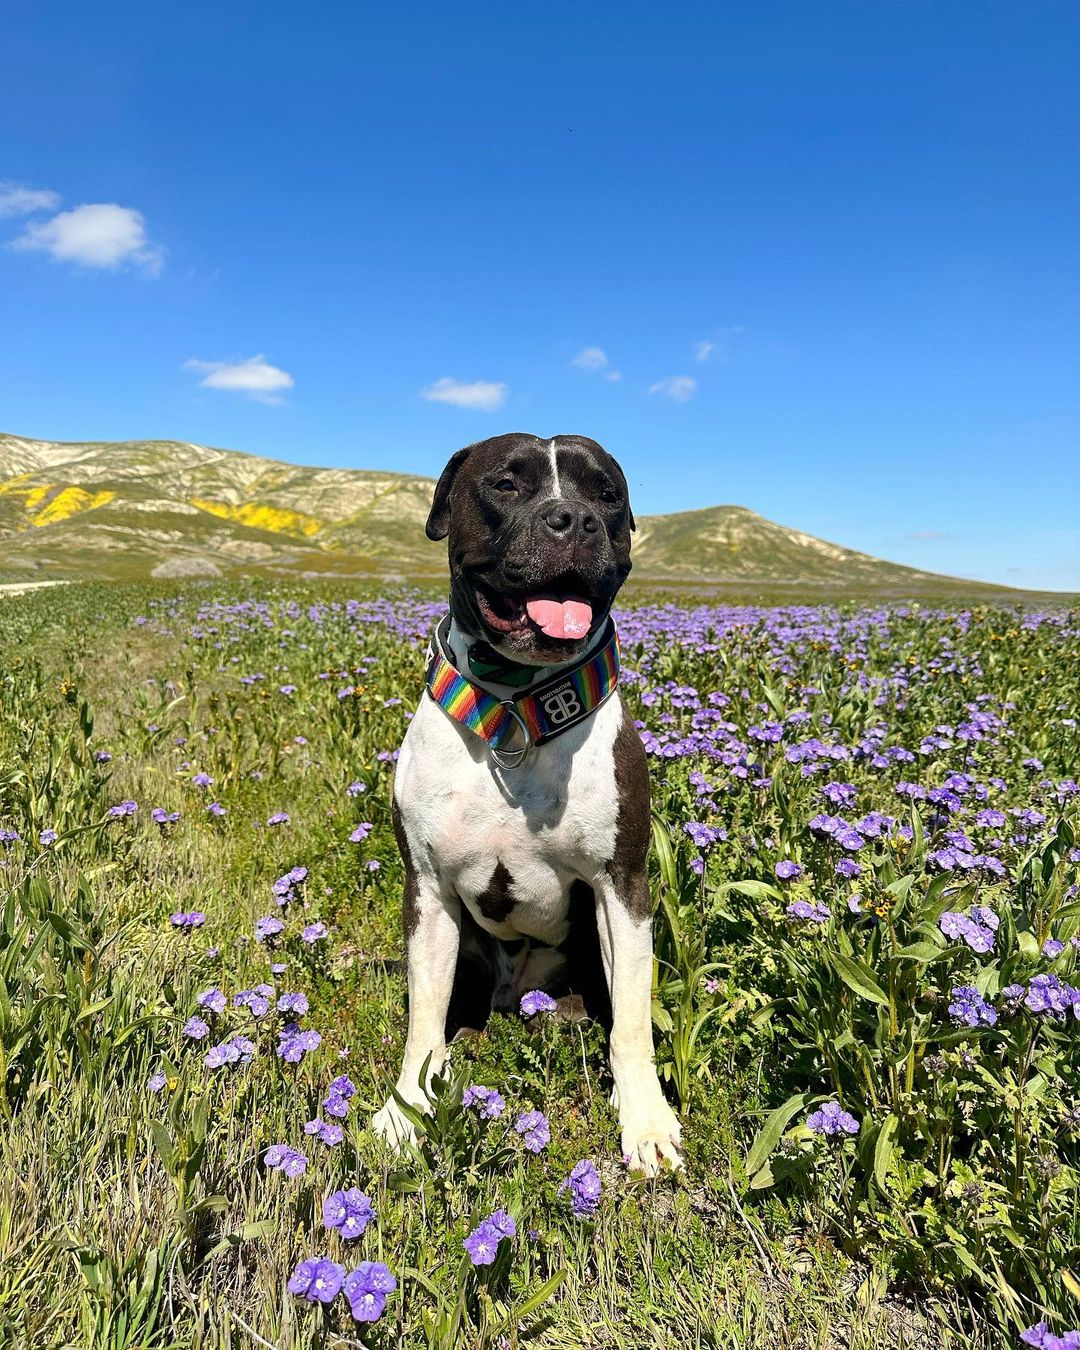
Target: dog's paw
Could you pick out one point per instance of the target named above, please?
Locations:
(651, 1138)
(394, 1126)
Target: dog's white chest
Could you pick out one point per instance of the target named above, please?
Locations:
(510, 842)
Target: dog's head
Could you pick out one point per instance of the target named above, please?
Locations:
(539, 541)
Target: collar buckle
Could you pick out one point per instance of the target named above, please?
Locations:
(511, 759)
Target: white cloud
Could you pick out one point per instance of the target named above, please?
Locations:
(99, 235)
(718, 346)
(590, 358)
(679, 387)
(595, 359)
(17, 200)
(255, 377)
(483, 395)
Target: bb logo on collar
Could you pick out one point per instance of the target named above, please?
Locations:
(561, 704)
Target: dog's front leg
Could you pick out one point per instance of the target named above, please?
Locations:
(650, 1129)
(432, 929)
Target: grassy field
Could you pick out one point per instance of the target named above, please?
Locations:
(865, 866)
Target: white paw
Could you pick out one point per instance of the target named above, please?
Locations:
(650, 1137)
(392, 1124)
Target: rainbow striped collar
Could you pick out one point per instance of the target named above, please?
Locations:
(542, 712)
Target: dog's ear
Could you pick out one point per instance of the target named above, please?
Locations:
(626, 490)
(438, 521)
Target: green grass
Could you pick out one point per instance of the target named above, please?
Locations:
(134, 1219)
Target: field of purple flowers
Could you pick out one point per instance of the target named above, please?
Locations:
(867, 995)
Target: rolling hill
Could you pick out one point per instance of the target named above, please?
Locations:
(136, 509)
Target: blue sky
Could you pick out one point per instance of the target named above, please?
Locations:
(829, 250)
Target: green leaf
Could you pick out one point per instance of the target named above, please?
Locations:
(61, 926)
(763, 1179)
(900, 890)
(1028, 945)
(537, 1299)
(923, 951)
(211, 1204)
(859, 978)
(768, 1136)
(248, 1233)
(92, 1008)
(754, 890)
(163, 1143)
(410, 1112)
(403, 1184)
(665, 854)
(774, 698)
(884, 1150)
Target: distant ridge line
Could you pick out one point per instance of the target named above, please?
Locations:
(131, 509)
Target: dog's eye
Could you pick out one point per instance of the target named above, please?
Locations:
(506, 485)
(606, 495)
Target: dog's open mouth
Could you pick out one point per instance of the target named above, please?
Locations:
(556, 614)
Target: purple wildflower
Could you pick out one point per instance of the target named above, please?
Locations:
(583, 1183)
(969, 1006)
(810, 910)
(832, 1119)
(1048, 994)
(257, 1001)
(318, 1281)
(285, 1159)
(326, 1132)
(489, 1101)
(536, 1001)
(268, 927)
(349, 1212)
(534, 1129)
(336, 1105)
(294, 1045)
(366, 1288)
(188, 921)
(482, 1244)
(1042, 1337)
(503, 1223)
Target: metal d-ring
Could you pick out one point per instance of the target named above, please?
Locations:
(503, 757)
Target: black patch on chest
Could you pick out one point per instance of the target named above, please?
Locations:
(495, 902)
(410, 906)
(627, 865)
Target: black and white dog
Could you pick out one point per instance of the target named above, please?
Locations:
(522, 786)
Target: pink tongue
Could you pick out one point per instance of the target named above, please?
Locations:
(560, 618)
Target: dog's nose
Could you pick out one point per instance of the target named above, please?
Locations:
(569, 519)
